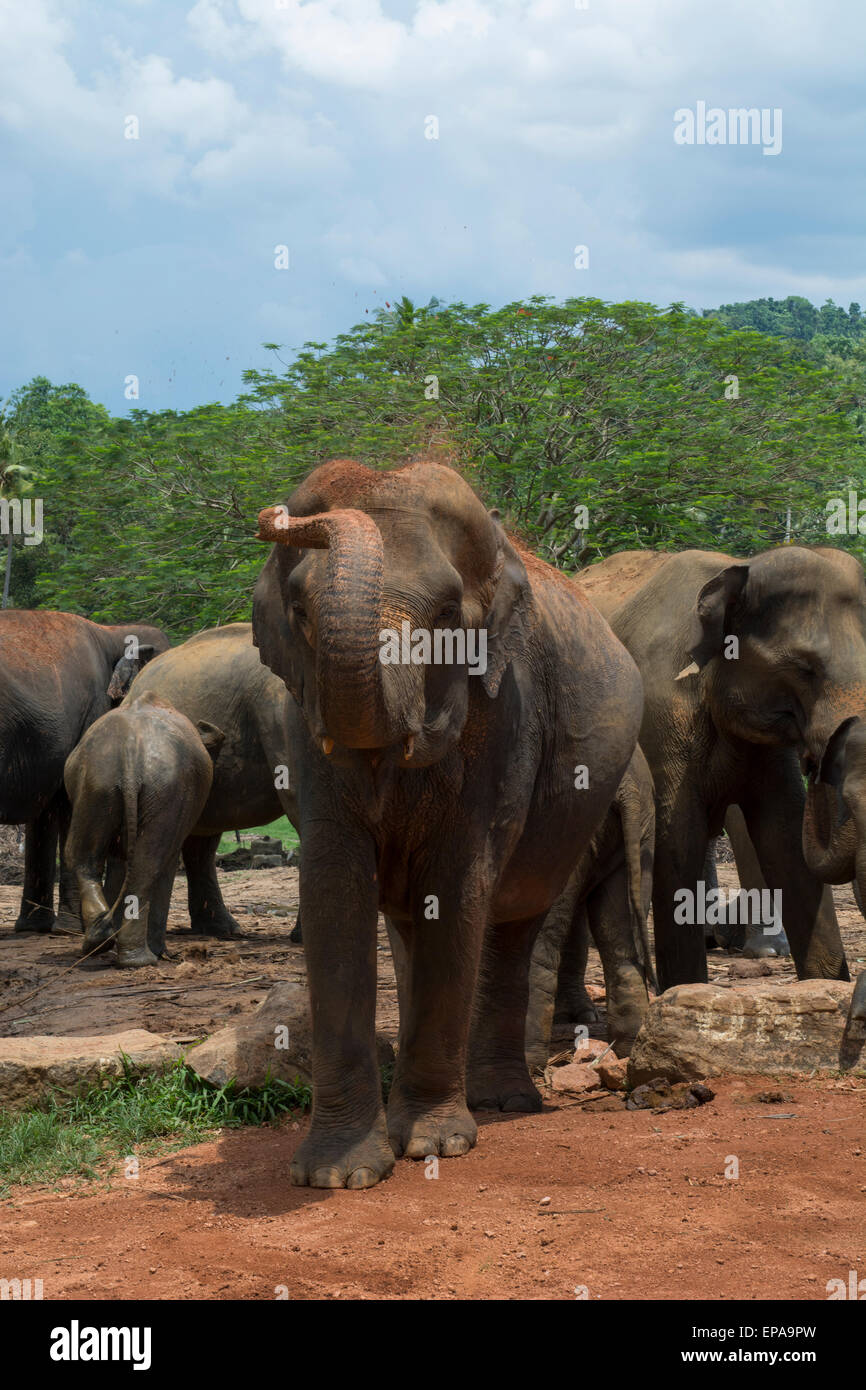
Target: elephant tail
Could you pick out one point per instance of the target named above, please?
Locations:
(628, 802)
(130, 792)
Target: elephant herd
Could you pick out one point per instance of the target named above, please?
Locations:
(497, 812)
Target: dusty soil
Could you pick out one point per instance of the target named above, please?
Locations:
(639, 1204)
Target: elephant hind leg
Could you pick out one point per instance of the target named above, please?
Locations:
(208, 914)
(497, 1074)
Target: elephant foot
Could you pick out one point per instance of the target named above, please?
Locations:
(219, 924)
(67, 924)
(494, 1088)
(38, 919)
(137, 956)
(343, 1158)
(446, 1130)
(584, 1015)
(759, 944)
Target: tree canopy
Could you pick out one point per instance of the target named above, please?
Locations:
(670, 428)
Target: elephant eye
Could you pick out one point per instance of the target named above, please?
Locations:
(449, 613)
(299, 611)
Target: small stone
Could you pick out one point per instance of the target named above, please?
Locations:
(575, 1079)
(612, 1072)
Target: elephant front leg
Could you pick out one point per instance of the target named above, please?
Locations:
(681, 847)
(498, 1077)
(208, 914)
(40, 853)
(347, 1144)
(436, 963)
(774, 818)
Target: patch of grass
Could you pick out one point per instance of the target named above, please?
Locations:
(278, 829)
(79, 1136)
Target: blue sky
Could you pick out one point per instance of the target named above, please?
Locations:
(265, 123)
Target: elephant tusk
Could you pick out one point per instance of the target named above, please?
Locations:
(691, 670)
(327, 746)
(409, 747)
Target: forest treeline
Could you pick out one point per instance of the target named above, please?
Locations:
(727, 429)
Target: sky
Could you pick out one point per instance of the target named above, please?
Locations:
(155, 156)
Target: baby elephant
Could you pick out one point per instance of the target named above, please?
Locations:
(138, 782)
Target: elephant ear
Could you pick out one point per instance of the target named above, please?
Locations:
(272, 633)
(711, 616)
(212, 737)
(506, 616)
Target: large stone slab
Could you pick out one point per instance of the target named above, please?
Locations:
(30, 1067)
(276, 1040)
(695, 1031)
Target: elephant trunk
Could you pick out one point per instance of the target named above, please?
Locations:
(830, 836)
(358, 707)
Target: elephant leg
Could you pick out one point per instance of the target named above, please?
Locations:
(69, 901)
(711, 879)
(750, 938)
(680, 856)
(347, 1142)
(498, 1077)
(40, 854)
(160, 901)
(296, 935)
(573, 1005)
(208, 914)
(774, 819)
(545, 975)
(609, 912)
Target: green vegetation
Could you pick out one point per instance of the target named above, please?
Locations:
(673, 428)
(87, 1136)
(278, 829)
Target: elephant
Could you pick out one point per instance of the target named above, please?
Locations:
(608, 895)
(461, 721)
(137, 783)
(217, 676)
(58, 673)
(747, 666)
(747, 937)
(834, 824)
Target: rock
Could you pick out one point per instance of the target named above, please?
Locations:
(575, 1079)
(775, 1097)
(749, 969)
(596, 993)
(612, 1072)
(659, 1094)
(694, 1031)
(239, 858)
(30, 1067)
(266, 844)
(276, 1039)
(267, 861)
(590, 1049)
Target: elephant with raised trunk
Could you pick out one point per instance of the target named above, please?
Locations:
(457, 803)
(137, 783)
(58, 673)
(747, 667)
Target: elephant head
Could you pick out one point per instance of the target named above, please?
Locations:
(784, 639)
(362, 556)
(834, 824)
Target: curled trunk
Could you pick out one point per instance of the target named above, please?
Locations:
(359, 708)
(829, 835)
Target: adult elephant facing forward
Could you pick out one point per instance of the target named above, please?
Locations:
(459, 805)
(748, 667)
(58, 674)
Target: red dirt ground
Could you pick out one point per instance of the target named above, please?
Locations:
(639, 1205)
